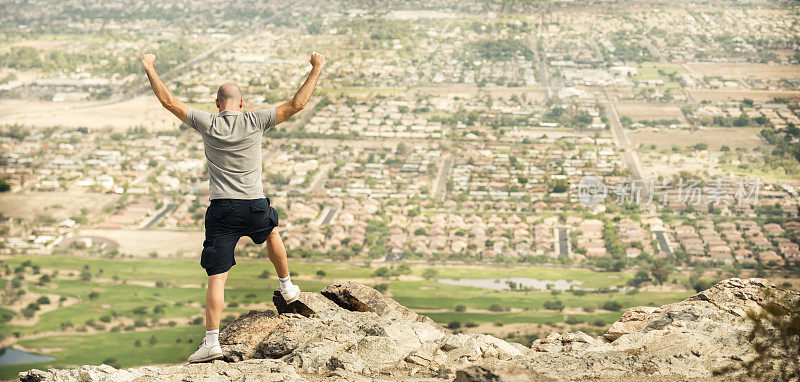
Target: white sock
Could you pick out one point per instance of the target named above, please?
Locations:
(212, 337)
(286, 282)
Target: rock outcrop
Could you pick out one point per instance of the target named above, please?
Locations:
(352, 332)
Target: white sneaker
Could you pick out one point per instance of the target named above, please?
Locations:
(291, 293)
(206, 353)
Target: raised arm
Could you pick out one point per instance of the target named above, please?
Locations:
(300, 100)
(164, 95)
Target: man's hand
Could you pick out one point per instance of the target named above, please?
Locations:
(317, 60)
(300, 100)
(149, 60)
(178, 108)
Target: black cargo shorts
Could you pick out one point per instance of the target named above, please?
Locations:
(227, 220)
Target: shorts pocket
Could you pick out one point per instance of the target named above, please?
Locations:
(219, 211)
(207, 257)
(273, 215)
(259, 205)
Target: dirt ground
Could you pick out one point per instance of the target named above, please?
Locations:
(140, 243)
(715, 137)
(141, 111)
(60, 205)
(729, 95)
(744, 70)
(645, 111)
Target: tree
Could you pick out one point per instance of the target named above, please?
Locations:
(430, 273)
(660, 271)
(381, 272)
(640, 278)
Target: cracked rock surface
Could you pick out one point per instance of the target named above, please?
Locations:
(352, 332)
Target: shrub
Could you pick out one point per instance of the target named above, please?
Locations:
(382, 287)
(264, 275)
(461, 308)
(611, 305)
(321, 273)
(572, 320)
(453, 325)
(578, 292)
(496, 308)
(430, 273)
(111, 362)
(43, 300)
(554, 305)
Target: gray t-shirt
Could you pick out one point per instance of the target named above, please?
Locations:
(233, 150)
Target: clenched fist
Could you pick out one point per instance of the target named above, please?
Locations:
(148, 60)
(317, 60)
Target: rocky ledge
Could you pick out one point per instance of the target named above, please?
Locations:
(352, 332)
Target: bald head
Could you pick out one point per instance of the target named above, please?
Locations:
(229, 96)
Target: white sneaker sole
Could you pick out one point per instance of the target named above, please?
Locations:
(206, 359)
(291, 300)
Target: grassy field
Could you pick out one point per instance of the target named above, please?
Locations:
(119, 349)
(110, 304)
(651, 72)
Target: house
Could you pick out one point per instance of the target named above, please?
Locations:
(770, 257)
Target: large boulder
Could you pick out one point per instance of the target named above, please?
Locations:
(307, 304)
(492, 373)
(361, 298)
(352, 332)
(633, 320)
(257, 370)
(699, 337)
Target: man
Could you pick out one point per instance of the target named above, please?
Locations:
(238, 207)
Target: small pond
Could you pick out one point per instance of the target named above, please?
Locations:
(16, 357)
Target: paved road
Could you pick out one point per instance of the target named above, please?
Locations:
(629, 153)
(330, 215)
(160, 216)
(662, 242)
(563, 242)
(144, 87)
(440, 187)
(539, 56)
(318, 183)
